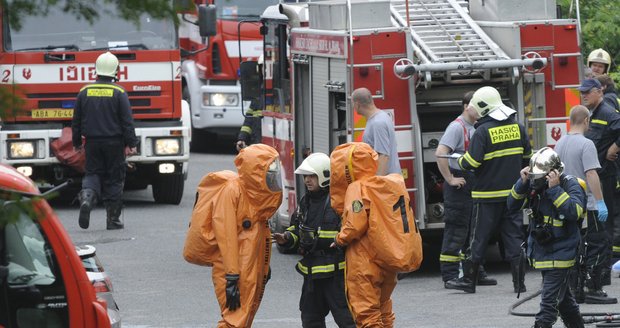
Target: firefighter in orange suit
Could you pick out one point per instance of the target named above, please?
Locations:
(355, 187)
(243, 236)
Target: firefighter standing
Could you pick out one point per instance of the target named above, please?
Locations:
(322, 266)
(599, 62)
(102, 115)
(605, 133)
(251, 130)
(496, 154)
(457, 194)
(581, 161)
(555, 202)
(240, 224)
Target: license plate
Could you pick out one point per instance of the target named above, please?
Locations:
(52, 113)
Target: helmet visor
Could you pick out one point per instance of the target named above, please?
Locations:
(274, 176)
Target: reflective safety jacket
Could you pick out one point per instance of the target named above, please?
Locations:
(604, 130)
(319, 261)
(497, 152)
(558, 209)
(250, 132)
(102, 110)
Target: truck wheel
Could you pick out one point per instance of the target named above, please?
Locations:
(168, 188)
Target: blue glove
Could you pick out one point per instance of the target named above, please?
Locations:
(602, 210)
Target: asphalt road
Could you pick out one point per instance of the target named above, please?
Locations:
(155, 287)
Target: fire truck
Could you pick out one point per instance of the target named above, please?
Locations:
(46, 59)
(418, 58)
(210, 67)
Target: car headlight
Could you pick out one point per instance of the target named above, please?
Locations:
(21, 149)
(167, 146)
(220, 99)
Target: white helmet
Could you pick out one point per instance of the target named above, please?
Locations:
(600, 56)
(316, 164)
(543, 161)
(107, 65)
(487, 101)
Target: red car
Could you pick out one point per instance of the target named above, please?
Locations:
(43, 282)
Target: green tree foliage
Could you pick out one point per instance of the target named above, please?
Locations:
(600, 28)
(89, 10)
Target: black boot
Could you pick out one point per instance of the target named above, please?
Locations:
(606, 276)
(595, 293)
(468, 282)
(572, 320)
(517, 267)
(539, 324)
(483, 279)
(576, 281)
(88, 200)
(113, 211)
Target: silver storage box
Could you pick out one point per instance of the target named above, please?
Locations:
(332, 14)
(512, 10)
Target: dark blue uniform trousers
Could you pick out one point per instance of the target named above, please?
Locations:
(556, 298)
(105, 168)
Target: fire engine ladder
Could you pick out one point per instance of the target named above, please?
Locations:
(446, 39)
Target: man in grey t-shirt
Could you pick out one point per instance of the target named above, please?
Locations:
(580, 159)
(380, 133)
(457, 195)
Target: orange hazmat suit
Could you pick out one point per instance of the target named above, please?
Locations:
(240, 225)
(370, 280)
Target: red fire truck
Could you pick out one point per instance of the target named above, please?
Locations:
(418, 58)
(210, 67)
(48, 58)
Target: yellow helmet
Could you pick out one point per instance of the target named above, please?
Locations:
(600, 56)
(106, 65)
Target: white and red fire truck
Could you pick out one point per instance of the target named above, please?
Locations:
(48, 58)
(210, 66)
(418, 58)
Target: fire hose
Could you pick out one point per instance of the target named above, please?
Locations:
(600, 319)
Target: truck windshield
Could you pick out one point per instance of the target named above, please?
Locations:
(242, 9)
(60, 30)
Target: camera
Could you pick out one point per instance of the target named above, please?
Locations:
(542, 234)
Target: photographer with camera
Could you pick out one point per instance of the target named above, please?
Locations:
(554, 203)
(311, 232)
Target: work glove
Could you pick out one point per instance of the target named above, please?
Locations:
(602, 210)
(233, 298)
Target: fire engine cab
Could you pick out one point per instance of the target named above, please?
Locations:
(418, 58)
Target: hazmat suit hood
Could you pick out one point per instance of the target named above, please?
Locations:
(253, 166)
(350, 162)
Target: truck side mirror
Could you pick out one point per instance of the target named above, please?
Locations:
(249, 78)
(207, 19)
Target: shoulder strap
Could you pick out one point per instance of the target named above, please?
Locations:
(465, 134)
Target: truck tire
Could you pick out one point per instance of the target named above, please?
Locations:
(168, 188)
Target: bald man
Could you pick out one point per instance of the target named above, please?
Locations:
(379, 133)
(580, 159)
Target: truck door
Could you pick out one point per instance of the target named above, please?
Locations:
(33, 292)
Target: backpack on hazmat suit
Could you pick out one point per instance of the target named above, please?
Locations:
(392, 230)
(200, 245)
